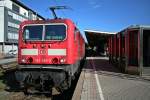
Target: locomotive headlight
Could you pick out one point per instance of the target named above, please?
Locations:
(23, 60)
(62, 60)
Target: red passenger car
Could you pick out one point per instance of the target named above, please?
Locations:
(50, 53)
(131, 48)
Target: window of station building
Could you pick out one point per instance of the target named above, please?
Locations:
(10, 13)
(30, 15)
(25, 14)
(16, 36)
(15, 8)
(10, 35)
(14, 25)
(16, 16)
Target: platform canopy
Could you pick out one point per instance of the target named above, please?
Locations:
(96, 37)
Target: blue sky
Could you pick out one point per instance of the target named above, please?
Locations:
(101, 15)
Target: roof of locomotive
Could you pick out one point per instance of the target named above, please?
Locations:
(46, 21)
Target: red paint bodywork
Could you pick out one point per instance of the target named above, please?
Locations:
(74, 44)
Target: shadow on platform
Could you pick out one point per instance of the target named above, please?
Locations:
(101, 66)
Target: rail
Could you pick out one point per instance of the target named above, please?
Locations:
(8, 64)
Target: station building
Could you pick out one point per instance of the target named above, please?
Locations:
(12, 12)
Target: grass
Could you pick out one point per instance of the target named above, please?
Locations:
(2, 85)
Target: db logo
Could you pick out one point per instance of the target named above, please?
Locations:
(42, 52)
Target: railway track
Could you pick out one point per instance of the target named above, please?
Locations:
(8, 64)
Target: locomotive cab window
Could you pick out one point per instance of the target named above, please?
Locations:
(33, 32)
(55, 32)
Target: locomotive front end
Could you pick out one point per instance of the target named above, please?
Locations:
(43, 44)
(49, 54)
(42, 56)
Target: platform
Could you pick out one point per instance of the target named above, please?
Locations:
(101, 81)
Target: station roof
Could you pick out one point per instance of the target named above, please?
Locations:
(95, 37)
(139, 26)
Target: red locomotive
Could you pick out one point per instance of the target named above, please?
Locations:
(50, 53)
